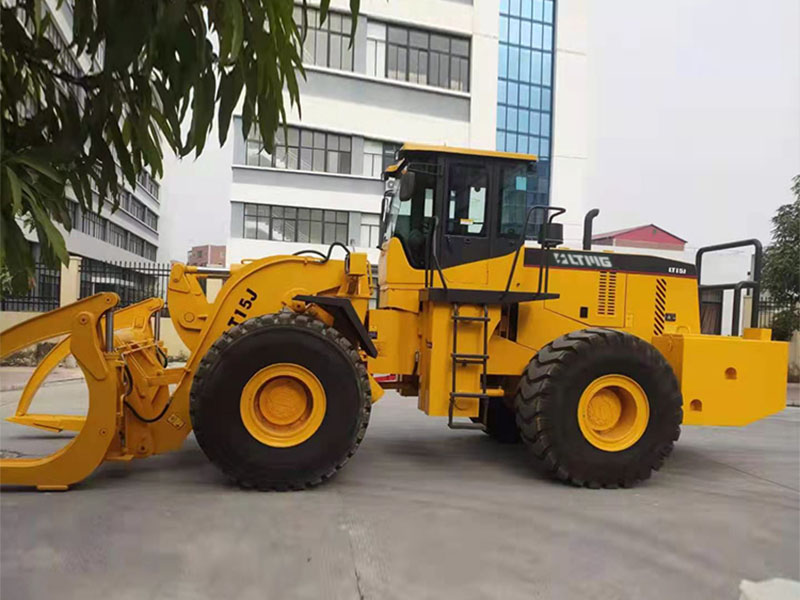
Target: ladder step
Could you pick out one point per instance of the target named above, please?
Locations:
(459, 425)
(479, 319)
(465, 358)
(465, 362)
(460, 355)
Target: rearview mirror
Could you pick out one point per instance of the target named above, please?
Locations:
(406, 185)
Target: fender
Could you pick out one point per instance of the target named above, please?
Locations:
(345, 319)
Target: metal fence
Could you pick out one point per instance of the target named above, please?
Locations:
(767, 309)
(132, 281)
(43, 296)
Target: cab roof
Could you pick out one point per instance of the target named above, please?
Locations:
(466, 151)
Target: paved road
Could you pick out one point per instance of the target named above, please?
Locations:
(420, 512)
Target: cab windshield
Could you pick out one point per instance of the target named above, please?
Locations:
(391, 210)
(409, 221)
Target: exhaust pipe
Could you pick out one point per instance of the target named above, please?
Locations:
(587, 228)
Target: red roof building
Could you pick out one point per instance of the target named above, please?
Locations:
(643, 236)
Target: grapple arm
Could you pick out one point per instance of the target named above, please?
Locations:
(76, 460)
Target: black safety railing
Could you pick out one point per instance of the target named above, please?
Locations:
(131, 281)
(43, 295)
(752, 284)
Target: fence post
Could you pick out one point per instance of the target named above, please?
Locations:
(70, 281)
(747, 310)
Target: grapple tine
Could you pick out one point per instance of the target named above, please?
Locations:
(86, 451)
(58, 353)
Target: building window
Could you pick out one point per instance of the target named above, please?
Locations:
(150, 251)
(302, 149)
(326, 44)
(525, 84)
(418, 56)
(149, 184)
(101, 228)
(136, 245)
(377, 156)
(75, 215)
(94, 225)
(136, 209)
(117, 236)
(151, 220)
(292, 224)
(66, 60)
(376, 49)
(370, 230)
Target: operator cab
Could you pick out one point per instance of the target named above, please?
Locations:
(458, 205)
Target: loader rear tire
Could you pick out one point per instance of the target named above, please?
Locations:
(553, 390)
(284, 341)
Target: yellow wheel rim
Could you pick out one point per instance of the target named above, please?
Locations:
(613, 412)
(283, 405)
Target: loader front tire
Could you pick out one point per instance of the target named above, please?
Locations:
(256, 371)
(599, 408)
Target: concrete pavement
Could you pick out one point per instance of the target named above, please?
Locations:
(15, 378)
(420, 512)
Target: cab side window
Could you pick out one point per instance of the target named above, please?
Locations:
(466, 200)
(517, 186)
(414, 219)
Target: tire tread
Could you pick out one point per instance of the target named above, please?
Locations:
(217, 350)
(534, 403)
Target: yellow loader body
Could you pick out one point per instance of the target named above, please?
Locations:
(593, 358)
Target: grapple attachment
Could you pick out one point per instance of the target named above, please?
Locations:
(125, 375)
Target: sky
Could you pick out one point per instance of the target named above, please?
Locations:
(197, 196)
(695, 124)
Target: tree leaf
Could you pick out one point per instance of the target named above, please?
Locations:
(16, 192)
(355, 7)
(52, 236)
(151, 81)
(230, 89)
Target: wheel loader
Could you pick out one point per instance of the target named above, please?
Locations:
(593, 360)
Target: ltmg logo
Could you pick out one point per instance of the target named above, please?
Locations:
(591, 261)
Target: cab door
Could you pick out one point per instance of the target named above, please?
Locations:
(465, 229)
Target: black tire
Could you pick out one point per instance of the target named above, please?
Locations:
(547, 407)
(244, 350)
(501, 422)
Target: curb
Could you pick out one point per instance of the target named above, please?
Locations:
(21, 386)
(793, 394)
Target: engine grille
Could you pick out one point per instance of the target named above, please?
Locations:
(607, 294)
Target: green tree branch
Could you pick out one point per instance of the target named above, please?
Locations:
(83, 135)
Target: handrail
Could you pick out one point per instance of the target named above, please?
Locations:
(431, 254)
(557, 210)
(754, 284)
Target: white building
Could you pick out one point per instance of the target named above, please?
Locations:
(131, 232)
(471, 74)
(672, 150)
